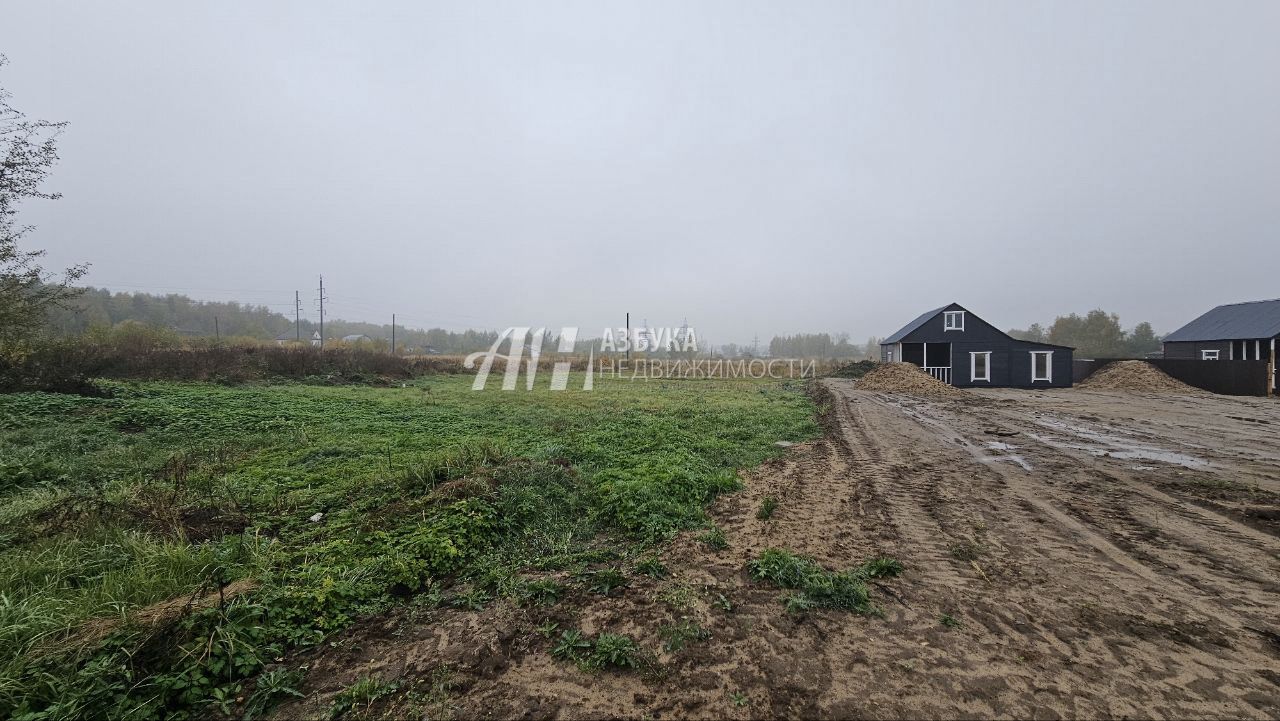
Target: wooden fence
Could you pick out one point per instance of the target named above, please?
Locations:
(1226, 377)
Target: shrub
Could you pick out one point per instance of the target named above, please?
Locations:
(138, 353)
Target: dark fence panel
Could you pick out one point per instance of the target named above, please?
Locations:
(1226, 377)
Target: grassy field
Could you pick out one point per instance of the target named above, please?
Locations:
(205, 495)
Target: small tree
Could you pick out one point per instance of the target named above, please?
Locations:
(1097, 334)
(1143, 340)
(27, 153)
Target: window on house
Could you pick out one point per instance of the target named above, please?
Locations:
(1041, 366)
(953, 320)
(980, 366)
(1209, 354)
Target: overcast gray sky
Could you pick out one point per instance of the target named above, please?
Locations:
(757, 167)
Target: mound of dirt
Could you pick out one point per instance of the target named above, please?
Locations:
(157, 615)
(1136, 376)
(906, 378)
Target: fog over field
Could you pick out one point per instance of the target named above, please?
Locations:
(759, 168)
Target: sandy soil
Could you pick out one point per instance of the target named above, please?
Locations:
(1107, 554)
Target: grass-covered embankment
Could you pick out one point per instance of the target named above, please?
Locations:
(110, 507)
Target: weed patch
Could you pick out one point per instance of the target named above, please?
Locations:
(356, 701)
(605, 581)
(816, 587)
(714, 539)
(652, 567)
(606, 650)
(677, 636)
(767, 507)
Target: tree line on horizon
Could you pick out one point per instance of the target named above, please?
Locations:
(95, 310)
(1096, 334)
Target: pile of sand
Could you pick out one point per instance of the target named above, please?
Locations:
(1135, 376)
(905, 378)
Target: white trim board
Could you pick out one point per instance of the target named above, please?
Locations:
(973, 366)
(1048, 366)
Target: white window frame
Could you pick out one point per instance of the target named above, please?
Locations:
(1048, 366)
(973, 366)
(950, 316)
(1210, 354)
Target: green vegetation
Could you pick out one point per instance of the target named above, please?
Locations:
(815, 586)
(1098, 334)
(96, 311)
(652, 567)
(714, 539)
(857, 369)
(29, 150)
(355, 701)
(542, 592)
(949, 621)
(116, 511)
(605, 581)
(676, 636)
(606, 650)
(767, 507)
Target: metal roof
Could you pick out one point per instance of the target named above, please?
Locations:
(904, 330)
(907, 329)
(1235, 321)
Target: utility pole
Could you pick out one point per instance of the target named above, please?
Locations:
(217, 333)
(393, 334)
(628, 337)
(297, 316)
(322, 300)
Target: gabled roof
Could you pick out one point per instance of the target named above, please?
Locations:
(906, 329)
(1235, 321)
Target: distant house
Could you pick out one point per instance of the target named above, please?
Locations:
(957, 347)
(293, 336)
(1237, 331)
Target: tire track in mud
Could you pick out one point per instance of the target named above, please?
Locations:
(1211, 553)
(1155, 560)
(910, 508)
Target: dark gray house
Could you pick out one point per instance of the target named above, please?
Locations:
(957, 347)
(1237, 331)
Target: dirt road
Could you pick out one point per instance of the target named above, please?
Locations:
(1106, 555)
